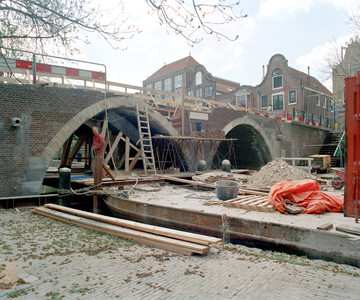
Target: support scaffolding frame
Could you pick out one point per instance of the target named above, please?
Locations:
(169, 152)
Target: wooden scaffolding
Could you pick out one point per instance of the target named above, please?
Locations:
(169, 152)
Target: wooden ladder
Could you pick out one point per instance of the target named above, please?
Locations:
(145, 140)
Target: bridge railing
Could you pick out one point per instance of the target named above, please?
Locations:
(151, 96)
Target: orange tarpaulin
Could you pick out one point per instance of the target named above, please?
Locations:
(305, 193)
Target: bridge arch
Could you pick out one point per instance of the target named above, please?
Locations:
(158, 123)
(253, 148)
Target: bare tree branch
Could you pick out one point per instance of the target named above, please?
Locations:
(186, 19)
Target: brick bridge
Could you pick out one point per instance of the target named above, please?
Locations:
(50, 115)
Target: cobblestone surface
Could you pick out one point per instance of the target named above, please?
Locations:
(125, 270)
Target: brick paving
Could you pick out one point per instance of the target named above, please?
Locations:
(140, 272)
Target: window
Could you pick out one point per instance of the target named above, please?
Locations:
(243, 101)
(243, 98)
(198, 126)
(278, 102)
(324, 102)
(157, 86)
(225, 101)
(317, 101)
(149, 85)
(191, 93)
(264, 100)
(198, 78)
(177, 86)
(167, 87)
(277, 82)
(208, 91)
(198, 93)
(292, 96)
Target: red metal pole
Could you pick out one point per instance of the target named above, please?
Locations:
(357, 140)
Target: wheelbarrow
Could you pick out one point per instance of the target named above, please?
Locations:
(338, 180)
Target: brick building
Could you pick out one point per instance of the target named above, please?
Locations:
(284, 90)
(348, 65)
(198, 82)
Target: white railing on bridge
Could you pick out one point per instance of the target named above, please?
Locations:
(293, 160)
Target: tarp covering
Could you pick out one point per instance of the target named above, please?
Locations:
(305, 193)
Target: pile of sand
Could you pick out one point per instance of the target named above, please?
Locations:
(277, 171)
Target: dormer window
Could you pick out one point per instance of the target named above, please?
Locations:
(277, 79)
(198, 78)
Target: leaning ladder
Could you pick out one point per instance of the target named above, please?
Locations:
(145, 140)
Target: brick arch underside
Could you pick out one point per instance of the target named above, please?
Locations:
(111, 103)
(159, 122)
(252, 150)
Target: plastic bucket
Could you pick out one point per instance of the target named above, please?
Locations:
(227, 189)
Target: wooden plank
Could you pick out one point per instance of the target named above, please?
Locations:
(207, 184)
(135, 159)
(247, 201)
(64, 154)
(75, 150)
(348, 229)
(121, 162)
(127, 152)
(325, 226)
(239, 198)
(257, 203)
(141, 237)
(104, 128)
(261, 201)
(148, 243)
(182, 235)
(108, 172)
(113, 147)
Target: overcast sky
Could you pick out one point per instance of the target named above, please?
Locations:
(301, 30)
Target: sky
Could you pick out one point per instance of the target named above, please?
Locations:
(302, 30)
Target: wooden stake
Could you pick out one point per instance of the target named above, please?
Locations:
(86, 152)
(127, 153)
(108, 172)
(97, 179)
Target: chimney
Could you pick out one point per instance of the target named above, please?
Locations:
(308, 78)
(263, 72)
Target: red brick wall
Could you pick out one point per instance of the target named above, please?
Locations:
(43, 111)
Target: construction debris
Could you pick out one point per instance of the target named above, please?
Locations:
(277, 171)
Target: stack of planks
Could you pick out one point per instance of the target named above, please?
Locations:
(253, 202)
(164, 238)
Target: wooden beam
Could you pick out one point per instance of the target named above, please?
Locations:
(86, 152)
(108, 172)
(66, 150)
(135, 159)
(97, 181)
(138, 236)
(127, 153)
(121, 162)
(182, 235)
(208, 185)
(104, 128)
(131, 145)
(113, 147)
(75, 150)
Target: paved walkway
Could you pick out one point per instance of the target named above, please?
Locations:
(62, 260)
